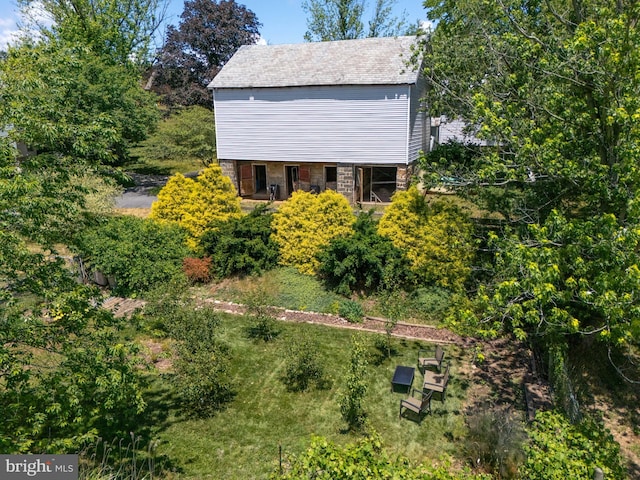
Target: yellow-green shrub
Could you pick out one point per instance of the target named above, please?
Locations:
(306, 223)
(436, 239)
(197, 204)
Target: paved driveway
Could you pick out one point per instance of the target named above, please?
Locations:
(135, 198)
(142, 195)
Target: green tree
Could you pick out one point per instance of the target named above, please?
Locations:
(363, 262)
(197, 205)
(202, 376)
(66, 375)
(74, 89)
(188, 134)
(343, 20)
(242, 246)
(436, 238)
(139, 254)
(64, 99)
(119, 29)
(352, 399)
(383, 24)
(555, 86)
(306, 223)
(304, 366)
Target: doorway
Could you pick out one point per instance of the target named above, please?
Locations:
(293, 179)
(376, 184)
(260, 177)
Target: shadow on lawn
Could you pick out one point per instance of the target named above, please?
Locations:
(385, 349)
(604, 392)
(133, 456)
(501, 375)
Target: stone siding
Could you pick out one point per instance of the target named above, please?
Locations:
(346, 181)
(403, 177)
(229, 169)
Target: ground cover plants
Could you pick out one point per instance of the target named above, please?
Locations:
(285, 287)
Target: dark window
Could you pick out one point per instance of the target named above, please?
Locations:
(330, 174)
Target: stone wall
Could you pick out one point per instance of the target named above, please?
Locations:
(346, 180)
(229, 169)
(345, 184)
(403, 176)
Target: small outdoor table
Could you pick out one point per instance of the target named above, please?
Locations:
(402, 377)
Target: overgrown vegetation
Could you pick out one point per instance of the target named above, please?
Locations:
(139, 254)
(364, 459)
(495, 442)
(242, 246)
(559, 449)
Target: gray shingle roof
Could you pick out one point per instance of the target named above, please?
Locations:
(369, 61)
(456, 130)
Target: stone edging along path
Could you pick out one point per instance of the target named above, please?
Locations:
(127, 306)
(369, 324)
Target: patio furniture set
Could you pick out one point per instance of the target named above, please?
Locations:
(434, 381)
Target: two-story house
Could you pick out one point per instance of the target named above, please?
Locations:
(343, 115)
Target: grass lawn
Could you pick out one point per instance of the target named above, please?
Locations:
(242, 441)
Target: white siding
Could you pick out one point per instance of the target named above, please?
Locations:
(348, 124)
(417, 120)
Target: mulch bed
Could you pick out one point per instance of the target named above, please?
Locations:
(369, 324)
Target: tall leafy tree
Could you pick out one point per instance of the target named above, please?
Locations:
(188, 134)
(383, 23)
(74, 89)
(65, 376)
(208, 35)
(344, 20)
(555, 85)
(73, 97)
(120, 29)
(62, 98)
